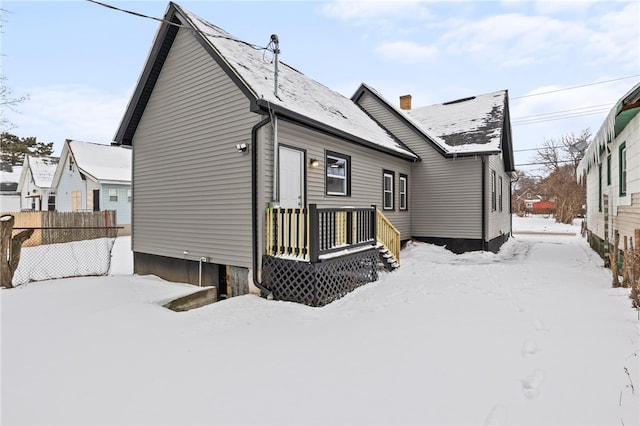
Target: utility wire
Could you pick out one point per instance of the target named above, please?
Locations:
(577, 87)
(141, 15)
(545, 163)
(559, 117)
(608, 105)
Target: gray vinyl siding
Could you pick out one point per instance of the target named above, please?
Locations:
(367, 167)
(192, 190)
(499, 222)
(445, 193)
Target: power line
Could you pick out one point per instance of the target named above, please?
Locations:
(608, 105)
(559, 117)
(545, 163)
(141, 15)
(577, 87)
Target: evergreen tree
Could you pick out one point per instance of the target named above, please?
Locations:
(14, 148)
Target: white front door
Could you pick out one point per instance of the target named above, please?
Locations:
(291, 177)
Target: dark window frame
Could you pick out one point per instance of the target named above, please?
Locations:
(403, 200)
(493, 191)
(385, 174)
(347, 160)
(500, 193)
(599, 187)
(622, 169)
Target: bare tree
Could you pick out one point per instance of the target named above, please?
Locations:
(560, 158)
(7, 100)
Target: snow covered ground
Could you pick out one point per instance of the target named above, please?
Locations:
(532, 335)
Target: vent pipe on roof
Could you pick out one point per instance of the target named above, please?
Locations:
(276, 51)
(405, 102)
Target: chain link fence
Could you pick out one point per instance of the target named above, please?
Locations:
(64, 252)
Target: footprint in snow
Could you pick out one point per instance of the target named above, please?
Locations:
(529, 348)
(539, 325)
(531, 385)
(497, 416)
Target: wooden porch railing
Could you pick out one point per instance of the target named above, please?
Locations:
(388, 235)
(312, 232)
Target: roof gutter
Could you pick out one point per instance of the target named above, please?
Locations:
(254, 203)
(264, 105)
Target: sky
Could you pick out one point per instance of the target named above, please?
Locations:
(78, 62)
(532, 335)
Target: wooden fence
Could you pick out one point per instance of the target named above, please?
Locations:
(52, 223)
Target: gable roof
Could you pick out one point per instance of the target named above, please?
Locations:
(9, 176)
(99, 162)
(466, 127)
(42, 171)
(298, 97)
(619, 116)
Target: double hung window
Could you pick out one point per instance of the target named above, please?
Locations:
(623, 169)
(387, 190)
(337, 174)
(404, 192)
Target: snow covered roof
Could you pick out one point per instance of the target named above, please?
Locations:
(9, 177)
(42, 169)
(296, 92)
(104, 163)
(464, 126)
(470, 126)
(607, 131)
(298, 96)
(9, 173)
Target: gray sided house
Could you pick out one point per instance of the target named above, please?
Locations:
(94, 177)
(460, 191)
(250, 176)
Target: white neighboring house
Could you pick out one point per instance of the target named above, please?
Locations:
(94, 177)
(9, 195)
(35, 185)
(611, 166)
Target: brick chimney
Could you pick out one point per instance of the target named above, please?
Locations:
(405, 102)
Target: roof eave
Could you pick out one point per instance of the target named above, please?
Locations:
(299, 118)
(160, 49)
(365, 89)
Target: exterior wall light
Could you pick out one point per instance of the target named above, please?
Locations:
(314, 163)
(241, 147)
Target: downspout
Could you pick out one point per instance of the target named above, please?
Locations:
(275, 195)
(254, 202)
(484, 203)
